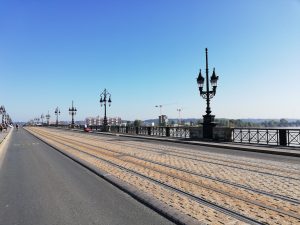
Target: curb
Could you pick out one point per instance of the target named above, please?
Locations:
(164, 210)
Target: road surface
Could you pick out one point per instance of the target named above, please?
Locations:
(38, 185)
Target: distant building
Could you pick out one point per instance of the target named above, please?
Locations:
(97, 121)
(162, 120)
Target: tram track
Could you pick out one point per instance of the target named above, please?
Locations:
(264, 189)
(194, 156)
(291, 200)
(235, 213)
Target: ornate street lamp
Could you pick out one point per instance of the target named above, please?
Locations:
(208, 119)
(3, 112)
(72, 112)
(42, 118)
(179, 116)
(103, 101)
(57, 113)
(48, 118)
(7, 119)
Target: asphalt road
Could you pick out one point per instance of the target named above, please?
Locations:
(38, 185)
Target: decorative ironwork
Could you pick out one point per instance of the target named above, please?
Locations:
(256, 136)
(175, 132)
(293, 137)
(180, 132)
(159, 131)
(282, 137)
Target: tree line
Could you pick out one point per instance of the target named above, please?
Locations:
(229, 123)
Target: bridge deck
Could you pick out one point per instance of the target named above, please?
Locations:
(38, 185)
(213, 188)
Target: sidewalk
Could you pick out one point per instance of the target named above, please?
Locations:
(3, 134)
(4, 137)
(267, 149)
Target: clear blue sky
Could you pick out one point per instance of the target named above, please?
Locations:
(147, 53)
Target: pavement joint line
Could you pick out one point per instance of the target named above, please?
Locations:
(166, 211)
(3, 146)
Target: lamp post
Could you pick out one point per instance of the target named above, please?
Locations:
(179, 118)
(103, 101)
(7, 119)
(3, 112)
(57, 113)
(48, 118)
(208, 119)
(72, 112)
(42, 118)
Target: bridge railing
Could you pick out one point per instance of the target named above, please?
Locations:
(265, 136)
(176, 132)
(268, 136)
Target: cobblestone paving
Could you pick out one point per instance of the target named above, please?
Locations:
(258, 189)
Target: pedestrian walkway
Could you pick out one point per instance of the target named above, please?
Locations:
(3, 134)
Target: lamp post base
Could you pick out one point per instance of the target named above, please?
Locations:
(208, 125)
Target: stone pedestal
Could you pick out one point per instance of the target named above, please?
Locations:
(196, 132)
(218, 133)
(222, 134)
(208, 125)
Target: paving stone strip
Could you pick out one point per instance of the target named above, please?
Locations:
(262, 208)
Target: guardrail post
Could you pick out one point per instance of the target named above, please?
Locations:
(282, 137)
(168, 131)
(149, 131)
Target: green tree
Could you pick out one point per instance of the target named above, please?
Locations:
(137, 123)
(283, 123)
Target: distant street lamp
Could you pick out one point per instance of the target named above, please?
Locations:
(179, 116)
(57, 113)
(37, 120)
(48, 118)
(72, 112)
(3, 112)
(42, 118)
(7, 119)
(103, 101)
(208, 119)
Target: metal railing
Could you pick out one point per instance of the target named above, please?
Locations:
(265, 136)
(176, 132)
(282, 137)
